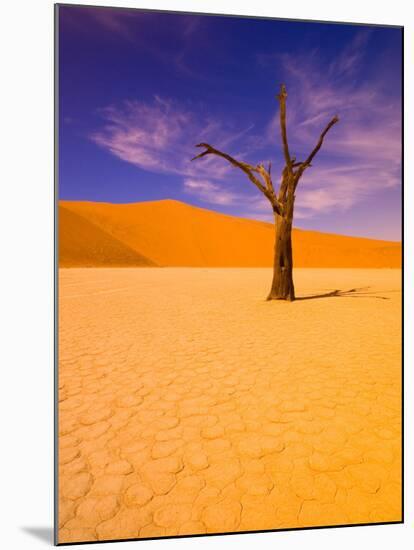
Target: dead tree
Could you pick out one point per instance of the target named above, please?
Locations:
(282, 201)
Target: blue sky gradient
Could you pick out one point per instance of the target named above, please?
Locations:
(137, 91)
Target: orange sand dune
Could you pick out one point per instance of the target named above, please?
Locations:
(82, 243)
(172, 233)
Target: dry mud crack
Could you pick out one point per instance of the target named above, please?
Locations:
(188, 404)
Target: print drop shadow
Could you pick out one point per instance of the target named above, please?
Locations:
(362, 292)
(44, 534)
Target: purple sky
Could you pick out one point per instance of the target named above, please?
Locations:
(138, 90)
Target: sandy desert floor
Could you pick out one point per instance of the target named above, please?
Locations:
(189, 404)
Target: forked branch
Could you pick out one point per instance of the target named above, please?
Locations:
(291, 173)
(266, 187)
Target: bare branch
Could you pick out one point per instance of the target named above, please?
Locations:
(248, 169)
(307, 163)
(282, 102)
(266, 178)
(319, 144)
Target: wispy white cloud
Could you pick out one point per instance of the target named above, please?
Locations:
(350, 59)
(254, 206)
(212, 193)
(160, 137)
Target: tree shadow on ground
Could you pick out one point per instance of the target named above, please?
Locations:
(362, 292)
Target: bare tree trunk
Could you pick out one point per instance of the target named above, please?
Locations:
(282, 283)
(282, 202)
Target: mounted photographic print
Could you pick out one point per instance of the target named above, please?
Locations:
(229, 274)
